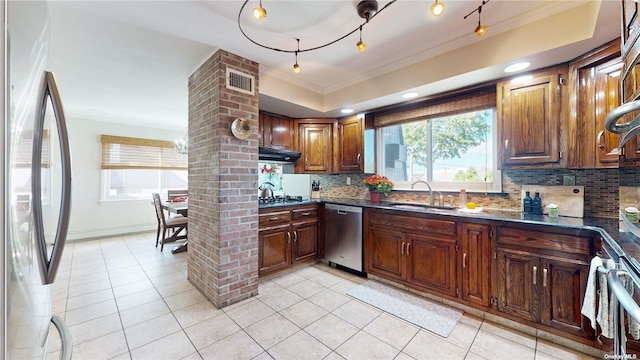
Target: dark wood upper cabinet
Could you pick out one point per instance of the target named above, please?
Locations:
(350, 149)
(275, 131)
(315, 141)
(530, 115)
(630, 77)
(594, 91)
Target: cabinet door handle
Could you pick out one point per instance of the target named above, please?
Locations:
(599, 139)
(306, 161)
(295, 237)
(535, 275)
(402, 249)
(464, 260)
(506, 145)
(408, 248)
(288, 237)
(358, 157)
(544, 277)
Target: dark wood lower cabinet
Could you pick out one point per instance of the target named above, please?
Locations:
(563, 286)
(425, 261)
(517, 289)
(475, 264)
(431, 262)
(544, 286)
(383, 254)
(286, 237)
(305, 241)
(274, 249)
(530, 274)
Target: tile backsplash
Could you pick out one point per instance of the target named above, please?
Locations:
(600, 189)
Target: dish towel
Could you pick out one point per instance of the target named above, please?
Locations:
(589, 302)
(605, 311)
(634, 327)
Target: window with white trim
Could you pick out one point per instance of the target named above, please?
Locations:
(452, 145)
(134, 168)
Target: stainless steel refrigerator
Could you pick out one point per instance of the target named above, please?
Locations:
(35, 155)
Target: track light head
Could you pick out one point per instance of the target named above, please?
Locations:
(437, 8)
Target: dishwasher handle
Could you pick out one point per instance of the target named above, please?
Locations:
(341, 212)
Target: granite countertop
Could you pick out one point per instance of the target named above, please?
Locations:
(619, 243)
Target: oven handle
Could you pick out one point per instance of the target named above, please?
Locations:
(624, 299)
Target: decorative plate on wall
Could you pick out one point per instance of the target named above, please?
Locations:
(241, 128)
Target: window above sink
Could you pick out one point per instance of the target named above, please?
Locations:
(450, 152)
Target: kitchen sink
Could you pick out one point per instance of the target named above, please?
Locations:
(419, 207)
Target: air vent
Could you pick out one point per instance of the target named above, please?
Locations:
(241, 82)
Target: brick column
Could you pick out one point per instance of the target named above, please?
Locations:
(223, 176)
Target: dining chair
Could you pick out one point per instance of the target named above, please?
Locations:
(174, 223)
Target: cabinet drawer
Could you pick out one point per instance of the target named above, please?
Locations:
(310, 213)
(415, 224)
(545, 241)
(274, 218)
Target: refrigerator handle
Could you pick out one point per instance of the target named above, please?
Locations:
(49, 266)
(65, 336)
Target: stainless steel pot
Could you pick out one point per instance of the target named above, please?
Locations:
(266, 190)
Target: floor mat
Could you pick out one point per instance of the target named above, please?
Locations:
(437, 318)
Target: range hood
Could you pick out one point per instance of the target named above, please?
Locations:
(271, 154)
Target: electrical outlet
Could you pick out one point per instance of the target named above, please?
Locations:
(348, 180)
(568, 180)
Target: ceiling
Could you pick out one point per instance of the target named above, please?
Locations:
(129, 61)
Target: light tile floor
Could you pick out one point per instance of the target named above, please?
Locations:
(124, 299)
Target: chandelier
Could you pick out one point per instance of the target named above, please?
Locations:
(182, 144)
(366, 9)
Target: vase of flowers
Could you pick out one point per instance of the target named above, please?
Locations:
(378, 185)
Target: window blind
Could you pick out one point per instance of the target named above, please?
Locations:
(439, 107)
(23, 150)
(120, 152)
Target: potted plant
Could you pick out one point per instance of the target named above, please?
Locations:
(378, 185)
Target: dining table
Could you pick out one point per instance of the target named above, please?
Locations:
(181, 208)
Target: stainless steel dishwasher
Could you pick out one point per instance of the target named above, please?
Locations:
(343, 236)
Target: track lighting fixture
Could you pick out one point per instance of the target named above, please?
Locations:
(361, 45)
(259, 12)
(366, 9)
(480, 29)
(437, 8)
(296, 67)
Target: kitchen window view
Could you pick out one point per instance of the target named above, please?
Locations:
(450, 152)
(133, 168)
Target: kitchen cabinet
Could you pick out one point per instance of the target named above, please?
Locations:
(541, 277)
(630, 77)
(350, 144)
(594, 87)
(315, 141)
(531, 113)
(304, 228)
(411, 249)
(475, 263)
(329, 146)
(275, 131)
(287, 237)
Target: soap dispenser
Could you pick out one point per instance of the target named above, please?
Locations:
(537, 204)
(527, 203)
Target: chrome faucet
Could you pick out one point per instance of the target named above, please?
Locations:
(431, 200)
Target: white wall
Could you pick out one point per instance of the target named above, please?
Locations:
(89, 217)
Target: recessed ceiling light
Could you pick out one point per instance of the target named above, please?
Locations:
(346, 111)
(517, 66)
(410, 95)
